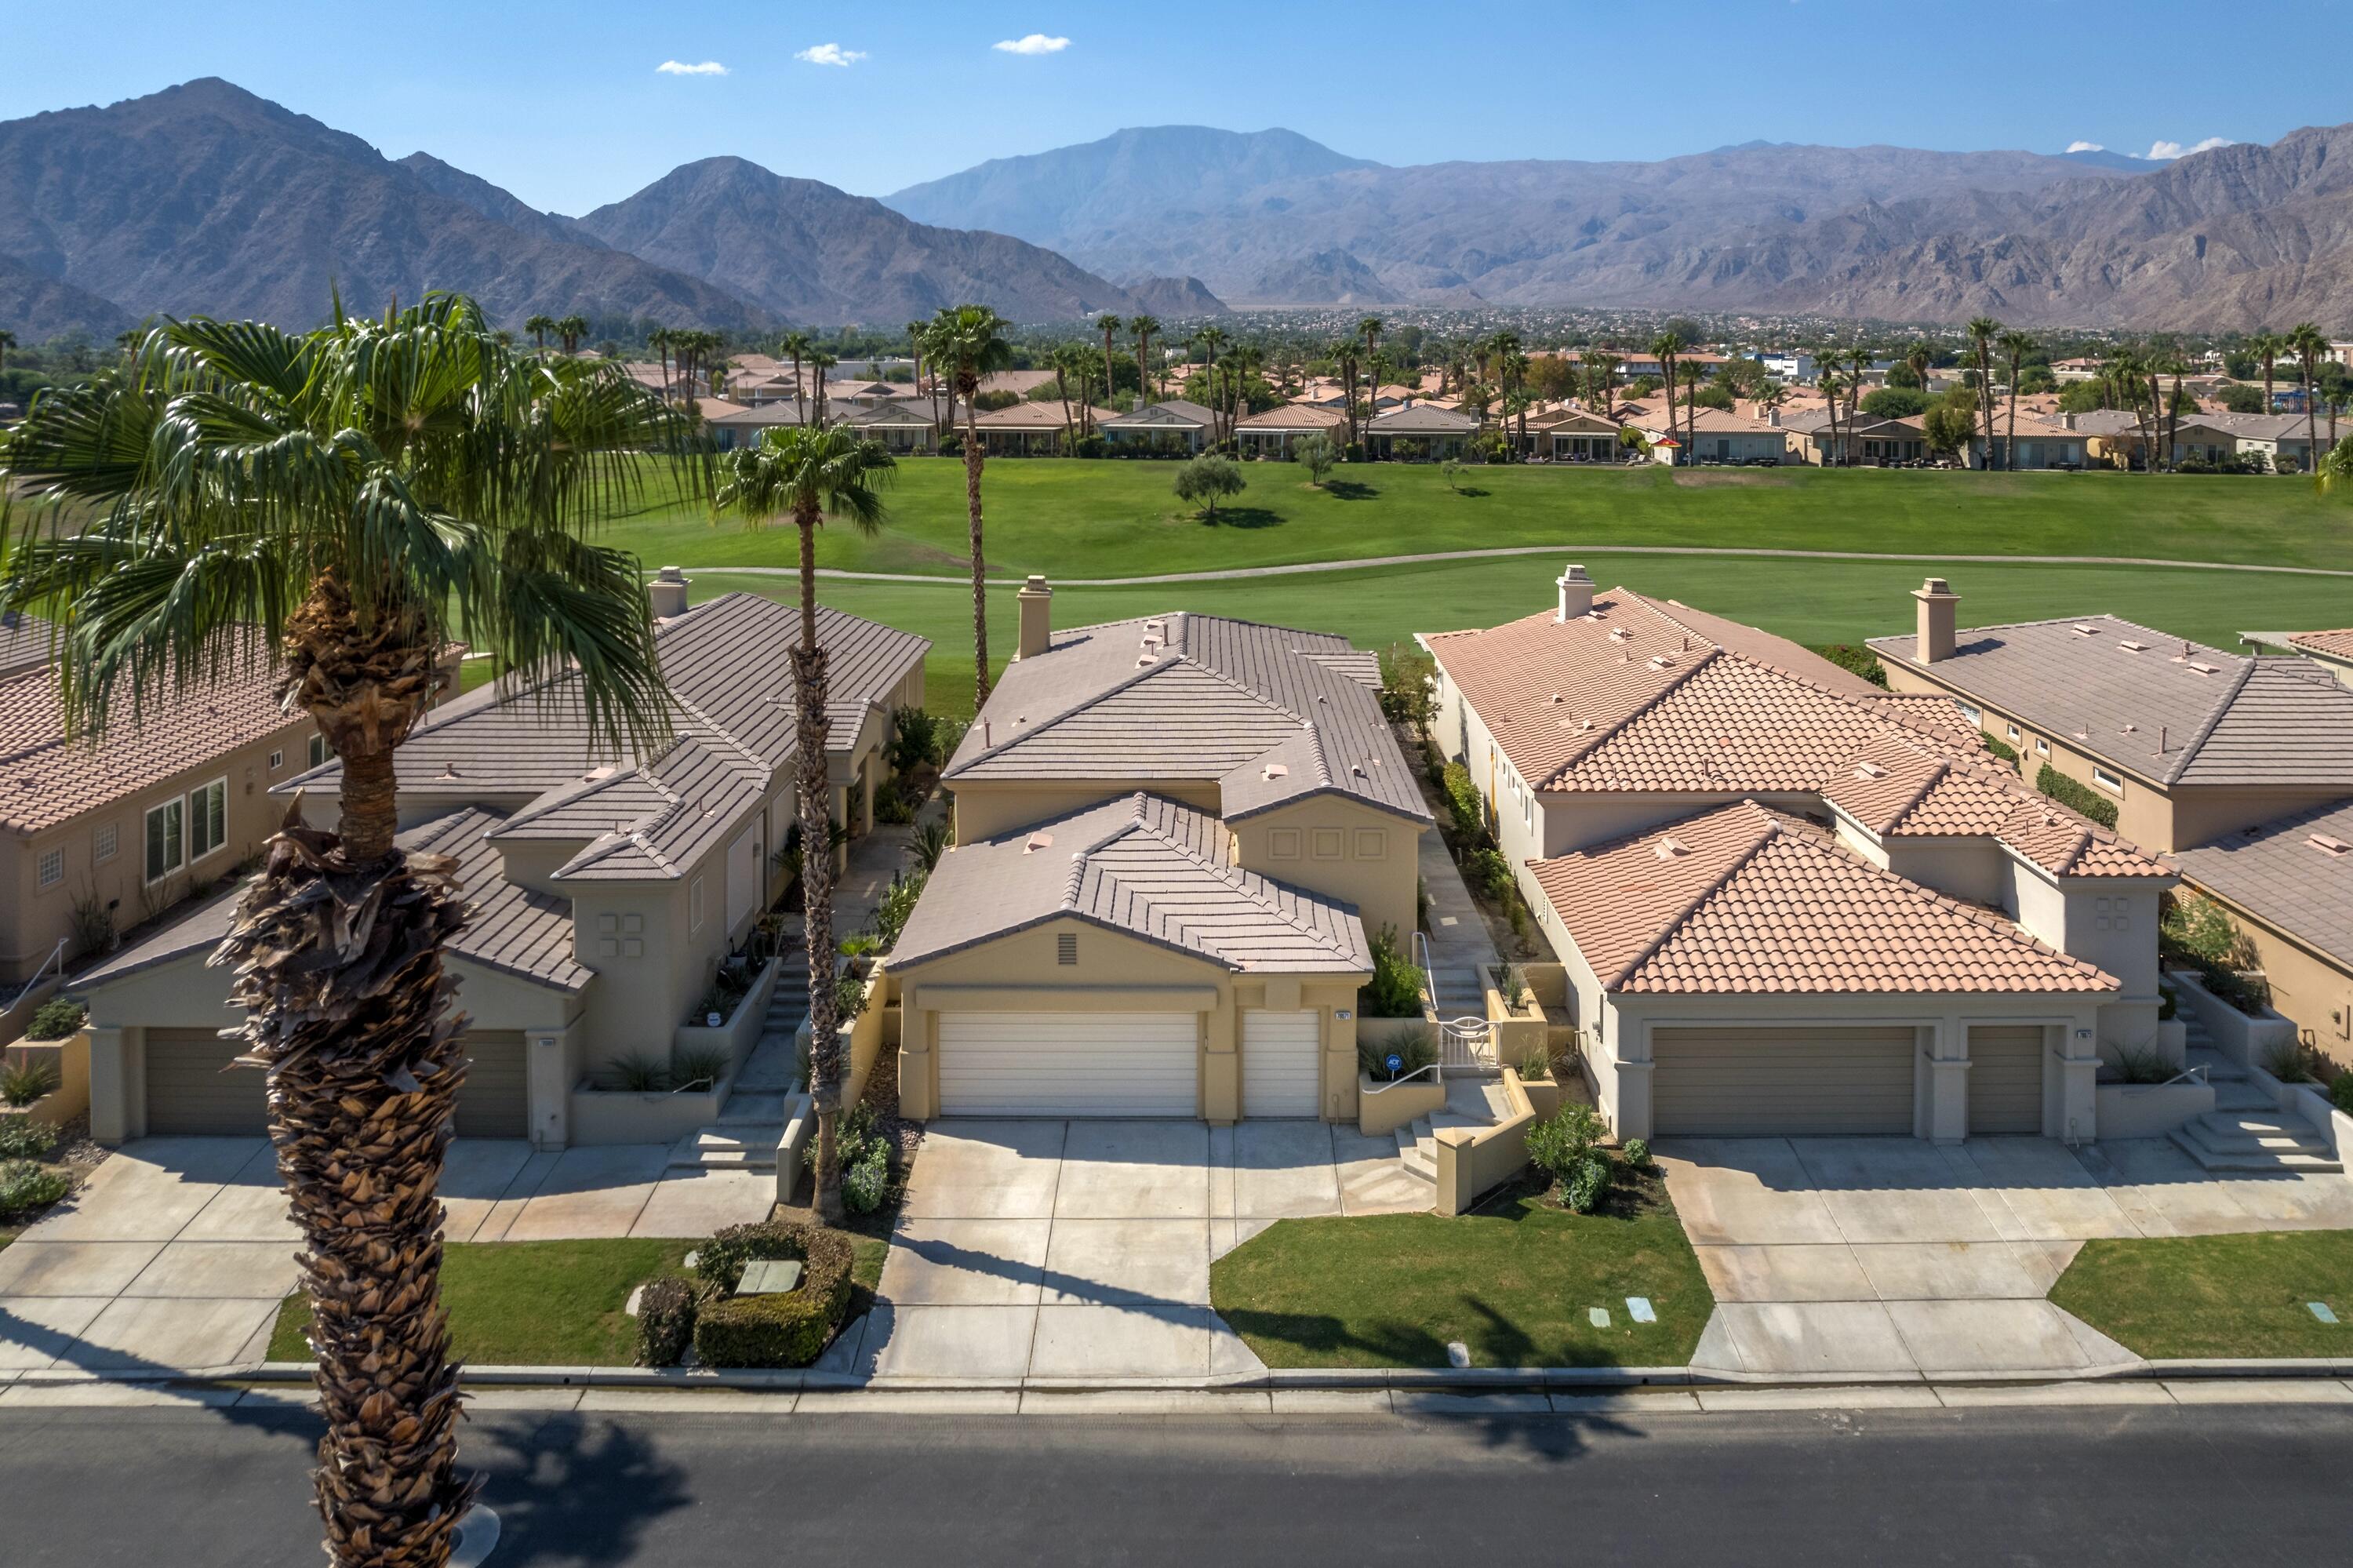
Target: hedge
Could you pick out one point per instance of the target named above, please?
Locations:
(1856, 661)
(2077, 797)
(789, 1330)
(666, 1310)
(1462, 799)
(2001, 748)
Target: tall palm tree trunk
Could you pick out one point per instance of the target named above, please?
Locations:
(816, 878)
(2311, 420)
(337, 950)
(979, 569)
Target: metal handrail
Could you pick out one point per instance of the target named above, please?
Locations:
(2196, 1075)
(1430, 1068)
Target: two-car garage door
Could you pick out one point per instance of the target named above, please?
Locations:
(1069, 1064)
(1739, 1081)
(193, 1092)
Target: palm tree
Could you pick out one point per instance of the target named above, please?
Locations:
(657, 339)
(1065, 360)
(2308, 345)
(1344, 358)
(1664, 348)
(1107, 324)
(819, 362)
(2017, 346)
(571, 329)
(808, 473)
(1982, 330)
(1602, 366)
(970, 341)
(539, 326)
(353, 498)
(797, 347)
(2125, 368)
(916, 342)
(1919, 357)
(2267, 346)
(8, 341)
(1369, 329)
(1830, 384)
(1143, 328)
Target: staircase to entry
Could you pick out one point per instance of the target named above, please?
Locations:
(1472, 1102)
(751, 1121)
(2245, 1132)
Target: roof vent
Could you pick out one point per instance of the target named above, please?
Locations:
(1038, 842)
(1869, 770)
(1670, 848)
(449, 771)
(2329, 843)
(2084, 630)
(1558, 698)
(2127, 729)
(1276, 770)
(1358, 769)
(2205, 669)
(1619, 634)
(1145, 660)
(1661, 661)
(2129, 646)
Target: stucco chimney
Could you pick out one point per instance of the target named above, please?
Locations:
(668, 591)
(1575, 593)
(1934, 636)
(1773, 418)
(1036, 618)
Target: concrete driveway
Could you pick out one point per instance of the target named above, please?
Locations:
(1081, 1249)
(177, 1251)
(1890, 1256)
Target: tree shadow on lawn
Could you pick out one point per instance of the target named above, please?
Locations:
(1241, 517)
(1350, 490)
(1471, 492)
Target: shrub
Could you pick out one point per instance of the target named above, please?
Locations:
(1416, 1051)
(1638, 1152)
(1395, 989)
(2289, 1060)
(914, 739)
(2077, 797)
(783, 1331)
(2340, 1092)
(897, 904)
(1512, 980)
(22, 1138)
(929, 842)
(1489, 871)
(864, 1184)
(1406, 673)
(22, 1083)
(893, 806)
(2142, 1067)
(666, 1312)
(1582, 1189)
(56, 1019)
(25, 1186)
(1317, 454)
(1559, 1145)
(1207, 480)
(1536, 1066)
(1462, 800)
(2001, 748)
(1857, 661)
(699, 1066)
(639, 1073)
(2169, 1006)
(2195, 934)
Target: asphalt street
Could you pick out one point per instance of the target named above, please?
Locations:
(2177, 1486)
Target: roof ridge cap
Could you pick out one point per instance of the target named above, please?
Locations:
(1594, 742)
(1115, 689)
(1770, 828)
(2214, 717)
(1999, 924)
(1939, 769)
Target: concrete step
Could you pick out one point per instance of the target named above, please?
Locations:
(2240, 1097)
(754, 1107)
(2237, 1133)
(728, 1147)
(2259, 1160)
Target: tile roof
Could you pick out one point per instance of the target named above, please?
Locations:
(1294, 417)
(2284, 871)
(725, 663)
(2173, 711)
(1195, 697)
(1423, 420)
(2335, 644)
(46, 779)
(1173, 415)
(1899, 789)
(1034, 416)
(509, 927)
(1142, 864)
(1741, 899)
(24, 642)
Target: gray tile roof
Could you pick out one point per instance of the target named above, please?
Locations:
(2278, 873)
(1175, 414)
(1421, 419)
(509, 927)
(1200, 698)
(2173, 711)
(1140, 864)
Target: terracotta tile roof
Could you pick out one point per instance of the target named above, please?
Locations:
(1294, 417)
(2339, 644)
(1743, 900)
(46, 780)
(1035, 417)
(25, 642)
(1140, 864)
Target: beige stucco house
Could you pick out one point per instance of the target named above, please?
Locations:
(171, 797)
(607, 889)
(1789, 901)
(1177, 837)
(2221, 758)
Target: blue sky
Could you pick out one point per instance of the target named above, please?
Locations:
(567, 105)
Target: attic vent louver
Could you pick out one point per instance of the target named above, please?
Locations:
(1038, 842)
(1869, 770)
(1670, 848)
(2205, 669)
(2328, 843)
(2129, 646)
(1619, 634)
(1661, 661)
(2083, 630)
(1276, 770)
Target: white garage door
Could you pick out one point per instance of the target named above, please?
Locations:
(2006, 1078)
(1069, 1064)
(1282, 1063)
(1739, 1082)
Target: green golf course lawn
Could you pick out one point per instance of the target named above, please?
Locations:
(1075, 519)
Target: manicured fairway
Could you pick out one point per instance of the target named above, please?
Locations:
(1810, 601)
(1118, 519)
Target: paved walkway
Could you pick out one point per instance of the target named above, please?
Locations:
(1894, 1257)
(1083, 1248)
(1458, 935)
(178, 1250)
(1597, 547)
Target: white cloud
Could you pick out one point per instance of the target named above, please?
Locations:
(680, 67)
(2165, 152)
(1034, 44)
(830, 55)
(2086, 147)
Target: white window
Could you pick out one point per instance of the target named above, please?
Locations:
(277, 760)
(104, 842)
(318, 750)
(2107, 780)
(2013, 730)
(165, 853)
(2042, 746)
(208, 819)
(694, 905)
(53, 867)
(1973, 714)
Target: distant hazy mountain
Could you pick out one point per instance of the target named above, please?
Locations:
(205, 199)
(499, 205)
(812, 253)
(1076, 198)
(36, 308)
(2224, 239)
(1176, 297)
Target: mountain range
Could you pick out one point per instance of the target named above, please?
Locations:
(205, 198)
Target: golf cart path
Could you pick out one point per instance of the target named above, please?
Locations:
(1230, 574)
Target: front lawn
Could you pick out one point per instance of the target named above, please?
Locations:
(529, 1303)
(2216, 1296)
(1516, 1282)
